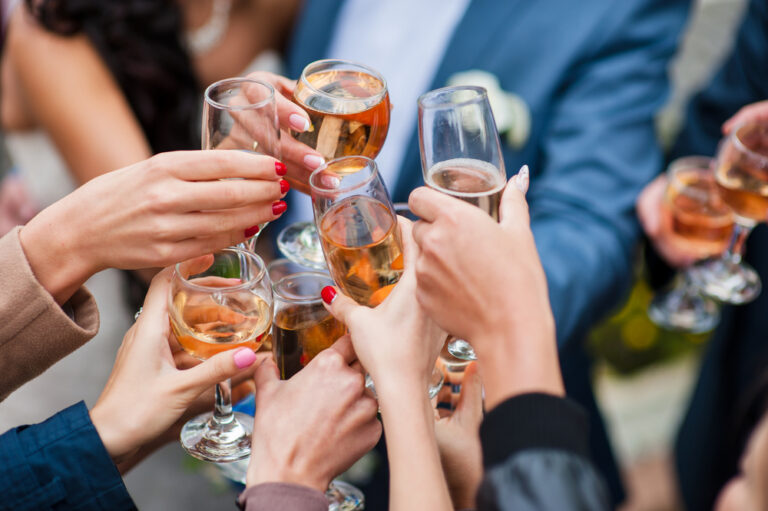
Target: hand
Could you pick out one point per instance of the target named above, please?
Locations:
(656, 221)
(459, 442)
(157, 212)
(397, 338)
(755, 112)
(16, 206)
(482, 281)
(311, 428)
(146, 393)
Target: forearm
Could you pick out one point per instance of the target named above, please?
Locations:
(409, 427)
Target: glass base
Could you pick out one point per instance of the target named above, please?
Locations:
(726, 280)
(208, 442)
(300, 243)
(682, 310)
(461, 349)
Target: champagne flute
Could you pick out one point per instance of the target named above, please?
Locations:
(742, 180)
(348, 107)
(701, 224)
(461, 156)
(241, 114)
(220, 302)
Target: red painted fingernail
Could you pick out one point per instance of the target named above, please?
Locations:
(328, 294)
(280, 168)
(251, 231)
(244, 357)
(284, 186)
(279, 207)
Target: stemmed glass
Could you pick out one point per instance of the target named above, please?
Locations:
(348, 107)
(241, 114)
(461, 156)
(700, 224)
(742, 179)
(220, 302)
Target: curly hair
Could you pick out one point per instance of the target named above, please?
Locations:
(140, 42)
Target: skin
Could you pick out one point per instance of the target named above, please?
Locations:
(749, 490)
(169, 208)
(314, 426)
(397, 343)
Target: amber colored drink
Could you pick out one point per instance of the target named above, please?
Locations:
(362, 247)
(300, 333)
(476, 182)
(744, 189)
(205, 328)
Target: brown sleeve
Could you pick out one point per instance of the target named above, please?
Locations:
(35, 332)
(282, 496)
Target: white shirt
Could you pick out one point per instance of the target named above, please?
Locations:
(405, 41)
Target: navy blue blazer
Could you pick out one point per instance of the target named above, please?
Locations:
(716, 426)
(593, 74)
(59, 464)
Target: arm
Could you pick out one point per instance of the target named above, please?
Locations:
(599, 150)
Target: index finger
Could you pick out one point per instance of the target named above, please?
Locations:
(214, 164)
(429, 204)
(343, 346)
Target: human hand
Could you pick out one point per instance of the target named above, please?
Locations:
(169, 208)
(309, 429)
(396, 338)
(755, 112)
(459, 442)
(16, 205)
(483, 281)
(146, 393)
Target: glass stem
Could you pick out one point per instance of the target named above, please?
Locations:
(738, 240)
(222, 412)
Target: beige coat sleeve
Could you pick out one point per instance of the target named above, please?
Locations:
(35, 332)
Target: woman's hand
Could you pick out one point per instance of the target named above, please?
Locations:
(397, 338)
(309, 429)
(146, 394)
(166, 209)
(482, 281)
(16, 205)
(755, 112)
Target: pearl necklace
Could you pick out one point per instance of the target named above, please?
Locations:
(202, 39)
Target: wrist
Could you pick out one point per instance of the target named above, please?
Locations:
(110, 428)
(261, 472)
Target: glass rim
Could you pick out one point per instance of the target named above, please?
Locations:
(236, 81)
(740, 144)
(368, 70)
(368, 163)
(243, 285)
(482, 94)
(314, 274)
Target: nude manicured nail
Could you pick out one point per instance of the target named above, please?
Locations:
(244, 357)
(312, 162)
(522, 178)
(298, 122)
(328, 294)
(279, 207)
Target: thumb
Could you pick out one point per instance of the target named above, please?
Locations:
(514, 208)
(218, 368)
(470, 406)
(266, 374)
(338, 304)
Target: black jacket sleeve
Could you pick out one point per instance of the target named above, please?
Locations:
(536, 457)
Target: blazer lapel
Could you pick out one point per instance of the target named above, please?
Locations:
(312, 34)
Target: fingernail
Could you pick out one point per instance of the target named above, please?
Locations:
(251, 231)
(298, 122)
(328, 294)
(280, 168)
(284, 186)
(522, 179)
(279, 207)
(312, 161)
(244, 357)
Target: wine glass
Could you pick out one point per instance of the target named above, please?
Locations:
(348, 107)
(461, 156)
(218, 302)
(701, 224)
(742, 180)
(241, 114)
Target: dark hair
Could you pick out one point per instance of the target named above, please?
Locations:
(140, 42)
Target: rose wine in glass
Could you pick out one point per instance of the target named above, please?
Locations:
(348, 107)
(461, 157)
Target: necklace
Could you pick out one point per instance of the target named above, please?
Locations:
(202, 39)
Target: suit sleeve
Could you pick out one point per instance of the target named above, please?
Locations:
(599, 150)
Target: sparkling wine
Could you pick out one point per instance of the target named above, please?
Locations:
(362, 246)
(476, 182)
(745, 189)
(204, 328)
(700, 218)
(300, 333)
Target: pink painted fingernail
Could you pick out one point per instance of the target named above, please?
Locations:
(522, 179)
(312, 162)
(298, 122)
(244, 357)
